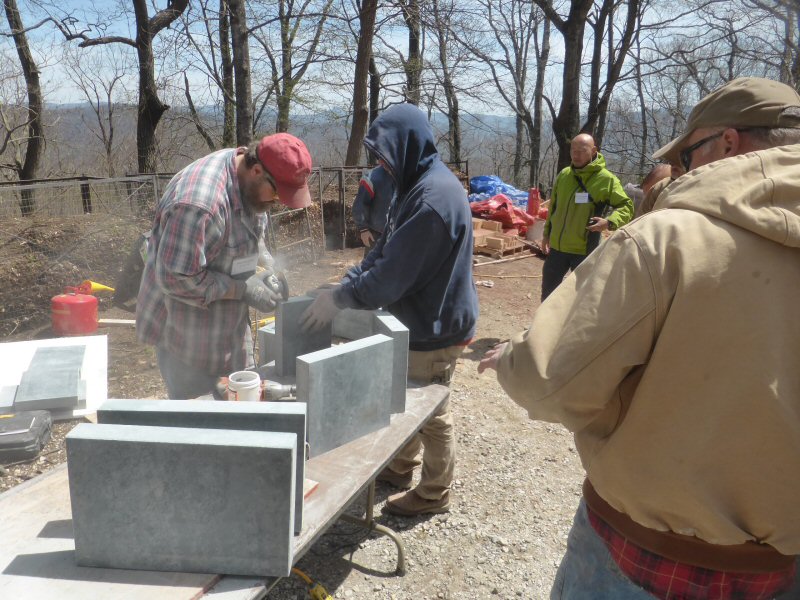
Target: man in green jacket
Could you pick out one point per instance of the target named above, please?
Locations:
(580, 196)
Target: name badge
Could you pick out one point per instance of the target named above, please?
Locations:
(244, 265)
(582, 198)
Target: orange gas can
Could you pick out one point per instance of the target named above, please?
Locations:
(73, 313)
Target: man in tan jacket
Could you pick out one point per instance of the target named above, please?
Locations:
(672, 354)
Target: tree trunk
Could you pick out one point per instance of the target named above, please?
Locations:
(374, 90)
(518, 144)
(35, 144)
(413, 64)
(241, 68)
(536, 137)
(361, 79)
(228, 92)
(151, 108)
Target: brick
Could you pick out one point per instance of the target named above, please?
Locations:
(182, 499)
(287, 417)
(348, 389)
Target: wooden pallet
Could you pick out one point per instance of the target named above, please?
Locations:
(498, 246)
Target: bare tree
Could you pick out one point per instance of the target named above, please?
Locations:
(35, 142)
(294, 53)
(516, 30)
(98, 76)
(366, 18)
(151, 108)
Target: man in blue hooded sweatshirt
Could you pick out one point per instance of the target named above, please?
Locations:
(421, 271)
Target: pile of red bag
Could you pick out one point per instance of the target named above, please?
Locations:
(501, 208)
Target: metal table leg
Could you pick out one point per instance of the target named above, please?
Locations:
(368, 522)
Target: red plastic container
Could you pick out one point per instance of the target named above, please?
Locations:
(73, 313)
(534, 201)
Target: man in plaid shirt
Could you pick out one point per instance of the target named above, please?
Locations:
(200, 275)
(671, 353)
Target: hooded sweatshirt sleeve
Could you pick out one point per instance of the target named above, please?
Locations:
(568, 366)
(416, 250)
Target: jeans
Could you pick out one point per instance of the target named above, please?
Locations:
(588, 572)
(556, 266)
(183, 381)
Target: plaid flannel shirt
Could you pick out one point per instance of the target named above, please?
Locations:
(671, 580)
(201, 227)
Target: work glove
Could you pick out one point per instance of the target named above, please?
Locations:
(259, 294)
(320, 313)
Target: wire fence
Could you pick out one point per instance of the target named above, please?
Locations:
(57, 233)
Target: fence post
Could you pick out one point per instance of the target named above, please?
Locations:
(341, 198)
(86, 195)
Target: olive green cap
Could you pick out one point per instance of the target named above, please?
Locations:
(742, 102)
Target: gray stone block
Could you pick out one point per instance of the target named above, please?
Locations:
(291, 340)
(182, 499)
(352, 324)
(50, 390)
(7, 393)
(389, 325)
(287, 417)
(348, 390)
(266, 343)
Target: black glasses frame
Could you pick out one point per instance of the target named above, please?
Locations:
(686, 154)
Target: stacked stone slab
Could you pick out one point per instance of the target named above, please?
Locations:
(182, 499)
(287, 417)
(347, 389)
(53, 380)
(291, 340)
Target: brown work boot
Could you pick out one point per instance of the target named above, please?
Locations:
(411, 504)
(398, 480)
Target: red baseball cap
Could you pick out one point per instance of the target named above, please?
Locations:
(287, 159)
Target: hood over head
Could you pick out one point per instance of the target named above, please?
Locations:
(758, 191)
(402, 138)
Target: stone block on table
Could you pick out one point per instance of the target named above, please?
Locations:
(182, 499)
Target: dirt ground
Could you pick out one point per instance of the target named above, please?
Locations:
(517, 481)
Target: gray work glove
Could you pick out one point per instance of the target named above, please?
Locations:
(259, 294)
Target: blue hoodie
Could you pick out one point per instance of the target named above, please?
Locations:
(421, 267)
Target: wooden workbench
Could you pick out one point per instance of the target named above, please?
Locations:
(37, 549)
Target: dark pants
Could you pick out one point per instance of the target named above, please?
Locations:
(556, 266)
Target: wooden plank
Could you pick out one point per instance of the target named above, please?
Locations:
(111, 322)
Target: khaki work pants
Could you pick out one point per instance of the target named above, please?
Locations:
(439, 456)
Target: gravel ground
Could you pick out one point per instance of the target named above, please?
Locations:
(517, 481)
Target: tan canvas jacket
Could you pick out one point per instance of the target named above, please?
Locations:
(673, 354)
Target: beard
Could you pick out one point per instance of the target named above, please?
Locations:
(249, 190)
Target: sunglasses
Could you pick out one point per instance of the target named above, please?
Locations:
(686, 154)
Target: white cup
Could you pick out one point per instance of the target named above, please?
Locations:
(244, 386)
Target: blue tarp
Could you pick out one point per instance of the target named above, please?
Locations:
(484, 187)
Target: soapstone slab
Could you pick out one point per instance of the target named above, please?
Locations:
(287, 417)
(291, 340)
(266, 343)
(7, 393)
(348, 389)
(59, 389)
(17, 357)
(353, 324)
(391, 326)
(58, 357)
(182, 499)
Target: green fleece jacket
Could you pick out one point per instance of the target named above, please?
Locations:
(567, 220)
